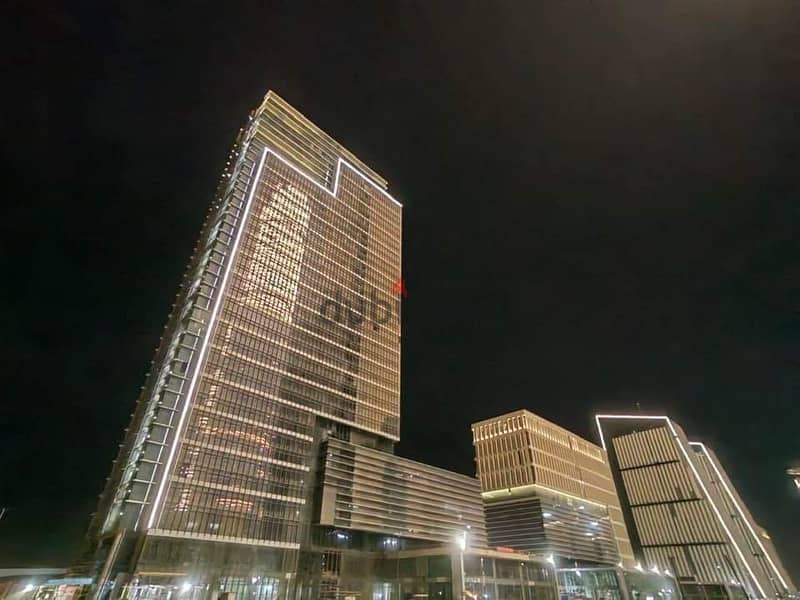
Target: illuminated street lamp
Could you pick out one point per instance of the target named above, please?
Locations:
(461, 542)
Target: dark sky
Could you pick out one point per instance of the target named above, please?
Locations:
(601, 209)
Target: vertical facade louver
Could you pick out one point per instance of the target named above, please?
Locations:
(269, 346)
(682, 511)
(548, 490)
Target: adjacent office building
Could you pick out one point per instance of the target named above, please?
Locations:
(683, 512)
(548, 491)
(258, 461)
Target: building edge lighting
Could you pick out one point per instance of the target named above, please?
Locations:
(204, 347)
(716, 510)
(697, 477)
(510, 500)
(505, 492)
(739, 509)
(629, 417)
(212, 319)
(333, 194)
(339, 164)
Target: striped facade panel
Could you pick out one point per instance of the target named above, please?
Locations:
(596, 479)
(664, 482)
(645, 448)
(566, 481)
(688, 522)
(370, 490)
(599, 496)
(521, 454)
(503, 462)
(580, 533)
(701, 563)
(551, 525)
(678, 509)
(517, 524)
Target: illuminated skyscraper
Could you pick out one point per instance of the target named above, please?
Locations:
(261, 445)
(684, 513)
(548, 491)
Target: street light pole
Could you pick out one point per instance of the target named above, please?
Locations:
(463, 582)
(462, 546)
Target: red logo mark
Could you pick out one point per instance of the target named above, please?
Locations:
(399, 287)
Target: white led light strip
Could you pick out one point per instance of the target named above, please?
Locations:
(697, 477)
(600, 429)
(204, 346)
(538, 486)
(739, 508)
(221, 293)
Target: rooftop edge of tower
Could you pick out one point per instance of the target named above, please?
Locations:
(296, 136)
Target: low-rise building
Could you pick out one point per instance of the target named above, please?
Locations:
(548, 491)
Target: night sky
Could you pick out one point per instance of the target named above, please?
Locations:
(601, 210)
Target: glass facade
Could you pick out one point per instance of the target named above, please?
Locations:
(710, 591)
(274, 363)
(441, 574)
(616, 584)
(498, 577)
(286, 330)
